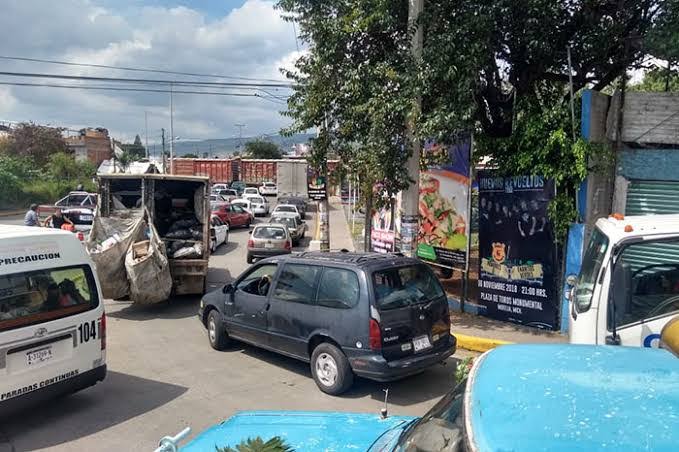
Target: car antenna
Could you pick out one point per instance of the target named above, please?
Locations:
(384, 412)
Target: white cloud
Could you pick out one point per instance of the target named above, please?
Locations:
(250, 41)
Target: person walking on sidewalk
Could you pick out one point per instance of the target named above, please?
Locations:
(31, 217)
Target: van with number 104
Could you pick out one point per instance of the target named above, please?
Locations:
(52, 322)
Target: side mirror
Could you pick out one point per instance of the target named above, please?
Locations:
(669, 336)
(227, 288)
(571, 279)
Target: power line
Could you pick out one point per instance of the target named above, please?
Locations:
(135, 69)
(149, 81)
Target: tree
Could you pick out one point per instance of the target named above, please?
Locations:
(260, 149)
(190, 155)
(36, 142)
(136, 150)
(658, 80)
(275, 444)
(663, 42)
(62, 166)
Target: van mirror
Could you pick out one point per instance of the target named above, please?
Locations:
(669, 336)
(227, 288)
(571, 279)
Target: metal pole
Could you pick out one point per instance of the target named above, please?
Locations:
(162, 138)
(146, 124)
(570, 85)
(410, 212)
(171, 129)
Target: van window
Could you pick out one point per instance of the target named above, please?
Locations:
(403, 286)
(258, 281)
(43, 295)
(338, 288)
(592, 261)
(651, 275)
(297, 283)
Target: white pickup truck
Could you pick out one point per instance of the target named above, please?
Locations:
(628, 287)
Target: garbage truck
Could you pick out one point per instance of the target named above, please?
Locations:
(150, 236)
(628, 286)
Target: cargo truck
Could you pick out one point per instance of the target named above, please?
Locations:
(292, 178)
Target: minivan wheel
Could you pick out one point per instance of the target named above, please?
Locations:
(219, 340)
(330, 369)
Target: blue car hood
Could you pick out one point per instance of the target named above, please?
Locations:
(301, 430)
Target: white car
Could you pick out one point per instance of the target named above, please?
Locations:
(219, 232)
(217, 187)
(260, 206)
(268, 189)
(244, 203)
(250, 191)
(286, 208)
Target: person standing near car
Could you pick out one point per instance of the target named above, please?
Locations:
(31, 217)
(57, 220)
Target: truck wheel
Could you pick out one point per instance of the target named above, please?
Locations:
(330, 369)
(249, 259)
(218, 338)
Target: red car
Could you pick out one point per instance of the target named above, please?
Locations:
(232, 215)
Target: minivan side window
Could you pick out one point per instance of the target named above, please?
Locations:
(43, 295)
(399, 287)
(258, 281)
(338, 288)
(297, 283)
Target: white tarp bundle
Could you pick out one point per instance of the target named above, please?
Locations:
(107, 245)
(148, 271)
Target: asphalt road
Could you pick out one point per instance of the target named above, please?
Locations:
(163, 376)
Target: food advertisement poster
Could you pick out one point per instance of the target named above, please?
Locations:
(517, 255)
(382, 234)
(444, 206)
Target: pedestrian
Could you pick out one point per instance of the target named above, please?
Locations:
(57, 220)
(31, 217)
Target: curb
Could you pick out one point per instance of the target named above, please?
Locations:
(478, 344)
(11, 213)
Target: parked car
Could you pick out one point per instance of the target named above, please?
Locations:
(217, 198)
(250, 191)
(268, 189)
(568, 397)
(287, 208)
(219, 232)
(77, 206)
(233, 215)
(296, 227)
(295, 200)
(217, 187)
(239, 186)
(268, 240)
(227, 193)
(245, 204)
(377, 316)
(260, 206)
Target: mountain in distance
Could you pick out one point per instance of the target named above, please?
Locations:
(225, 147)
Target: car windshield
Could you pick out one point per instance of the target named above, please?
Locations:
(288, 221)
(591, 265)
(403, 286)
(440, 429)
(286, 209)
(268, 232)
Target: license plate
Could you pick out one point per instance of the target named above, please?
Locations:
(39, 356)
(268, 245)
(421, 343)
(86, 217)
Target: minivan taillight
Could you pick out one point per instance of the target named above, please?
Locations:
(102, 331)
(375, 335)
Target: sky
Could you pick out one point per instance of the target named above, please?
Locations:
(227, 37)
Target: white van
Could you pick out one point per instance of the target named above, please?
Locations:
(628, 287)
(52, 322)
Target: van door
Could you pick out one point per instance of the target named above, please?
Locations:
(247, 308)
(644, 291)
(413, 311)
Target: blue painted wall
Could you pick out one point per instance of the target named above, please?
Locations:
(649, 164)
(574, 247)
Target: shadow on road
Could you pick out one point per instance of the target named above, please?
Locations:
(59, 421)
(432, 383)
(174, 308)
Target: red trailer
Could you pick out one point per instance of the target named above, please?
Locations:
(257, 171)
(218, 170)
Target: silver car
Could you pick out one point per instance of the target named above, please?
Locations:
(296, 227)
(268, 240)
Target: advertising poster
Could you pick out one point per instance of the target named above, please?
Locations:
(316, 186)
(382, 231)
(444, 206)
(517, 257)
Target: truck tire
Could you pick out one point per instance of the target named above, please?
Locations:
(330, 369)
(218, 338)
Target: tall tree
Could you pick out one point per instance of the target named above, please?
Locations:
(260, 149)
(35, 141)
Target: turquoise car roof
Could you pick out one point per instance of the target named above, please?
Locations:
(573, 397)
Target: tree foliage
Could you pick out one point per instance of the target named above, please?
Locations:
(658, 80)
(260, 149)
(35, 142)
(65, 167)
(275, 444)
(135, 150)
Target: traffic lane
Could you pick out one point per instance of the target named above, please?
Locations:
(14, 220)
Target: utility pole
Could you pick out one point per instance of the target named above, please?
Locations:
(171, 129)
(410, 212)
(240, 135)
(162, 138)
(146, 124)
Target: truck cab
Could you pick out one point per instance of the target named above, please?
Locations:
(628, 286)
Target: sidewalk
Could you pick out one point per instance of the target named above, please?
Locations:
(340, 237)
(478, 333)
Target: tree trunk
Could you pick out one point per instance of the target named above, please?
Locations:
(368, 218)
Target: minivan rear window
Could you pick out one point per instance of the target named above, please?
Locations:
(402, 286)
(43, 295)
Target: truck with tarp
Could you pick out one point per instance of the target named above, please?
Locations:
(150, 236)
